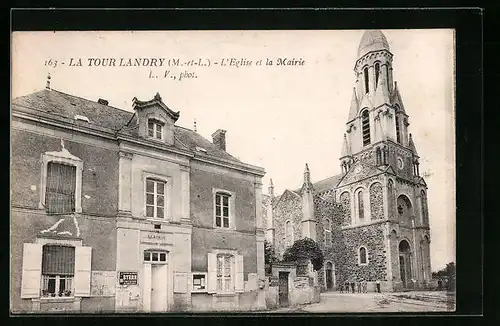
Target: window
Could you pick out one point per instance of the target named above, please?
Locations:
(377, 73)
(361, 209)
(365, 73)
(222, 209)
(362, 256)
(58, 269)
(155, 256)
(199, 282)
(155, 129)
(60, 188)
(328, 232)
(155, 198)
(224, 273)
(398, 130)
(365, 126)
(288, 233)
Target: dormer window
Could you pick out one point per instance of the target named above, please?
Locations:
(155, 129)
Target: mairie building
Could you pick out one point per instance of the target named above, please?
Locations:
(371, 221)
(125, 211)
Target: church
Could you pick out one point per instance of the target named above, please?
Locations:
(371, 221)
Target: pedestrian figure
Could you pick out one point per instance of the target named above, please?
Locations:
(364, 286)
(440, 284)
(378, 286)
(346, 286)
(353, 286)
(359, 287)
(341, 286)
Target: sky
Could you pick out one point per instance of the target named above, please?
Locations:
(279, 117)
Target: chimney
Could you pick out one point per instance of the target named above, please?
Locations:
(219, 139)
(103, 102)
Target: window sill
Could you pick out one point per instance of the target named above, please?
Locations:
(56, 299)
(225, 294)
(221, 229)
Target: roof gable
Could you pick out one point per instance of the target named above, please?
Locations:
(358, 171)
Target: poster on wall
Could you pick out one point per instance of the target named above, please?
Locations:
(102, 283)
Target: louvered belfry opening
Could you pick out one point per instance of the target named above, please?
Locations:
(60, 188)
(365, 121)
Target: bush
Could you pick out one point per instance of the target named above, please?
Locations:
(305, 249)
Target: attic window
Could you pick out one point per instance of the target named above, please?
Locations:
(201, 149)
(155, 129)
(82, 118)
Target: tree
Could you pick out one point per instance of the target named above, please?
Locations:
(305, 249)
(270, 256)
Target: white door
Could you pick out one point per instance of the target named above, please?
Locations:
(158, 287)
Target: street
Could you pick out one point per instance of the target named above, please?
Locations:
(416, 301)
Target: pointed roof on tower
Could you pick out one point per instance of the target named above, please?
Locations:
(381, 92)
(396, 97)
(307, 186)
(346, 149)
(353, 112)
(412, 146)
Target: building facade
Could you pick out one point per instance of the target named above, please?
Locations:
(372, 220)
(119, 211)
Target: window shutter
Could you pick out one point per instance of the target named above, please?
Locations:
(32, 270)
(83, 258)
(239, 283)
(212, 273)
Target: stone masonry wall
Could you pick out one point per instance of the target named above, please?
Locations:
(372, 238)
(345, 201)
(289, 207)
(376, 201)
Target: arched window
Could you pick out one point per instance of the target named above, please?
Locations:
(365, 123)
(365, 73)
(362, 256)
(361, 209)
(288, 234)
(398, 128)
(327, 226)
(377, 73)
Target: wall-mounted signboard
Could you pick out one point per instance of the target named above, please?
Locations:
(127, 278)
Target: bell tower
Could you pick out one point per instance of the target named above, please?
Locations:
(377, 125)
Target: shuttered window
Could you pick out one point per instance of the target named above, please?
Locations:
(224, 273)
(58, 269)
(60, 188)
(365, 123)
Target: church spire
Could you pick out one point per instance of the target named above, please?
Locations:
(346, 149)
(412, 146)
(381, 92)
(270, 189)
(307, 185)
(353, 112)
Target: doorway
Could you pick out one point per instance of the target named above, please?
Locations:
(158, 287)
(283, 289)
(155, 281)
(405, 262)
(330, 277)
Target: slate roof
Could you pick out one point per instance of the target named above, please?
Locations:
(328, 183)
(65, 106)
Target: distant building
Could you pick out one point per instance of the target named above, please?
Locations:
(126, 211)
(371, 220)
